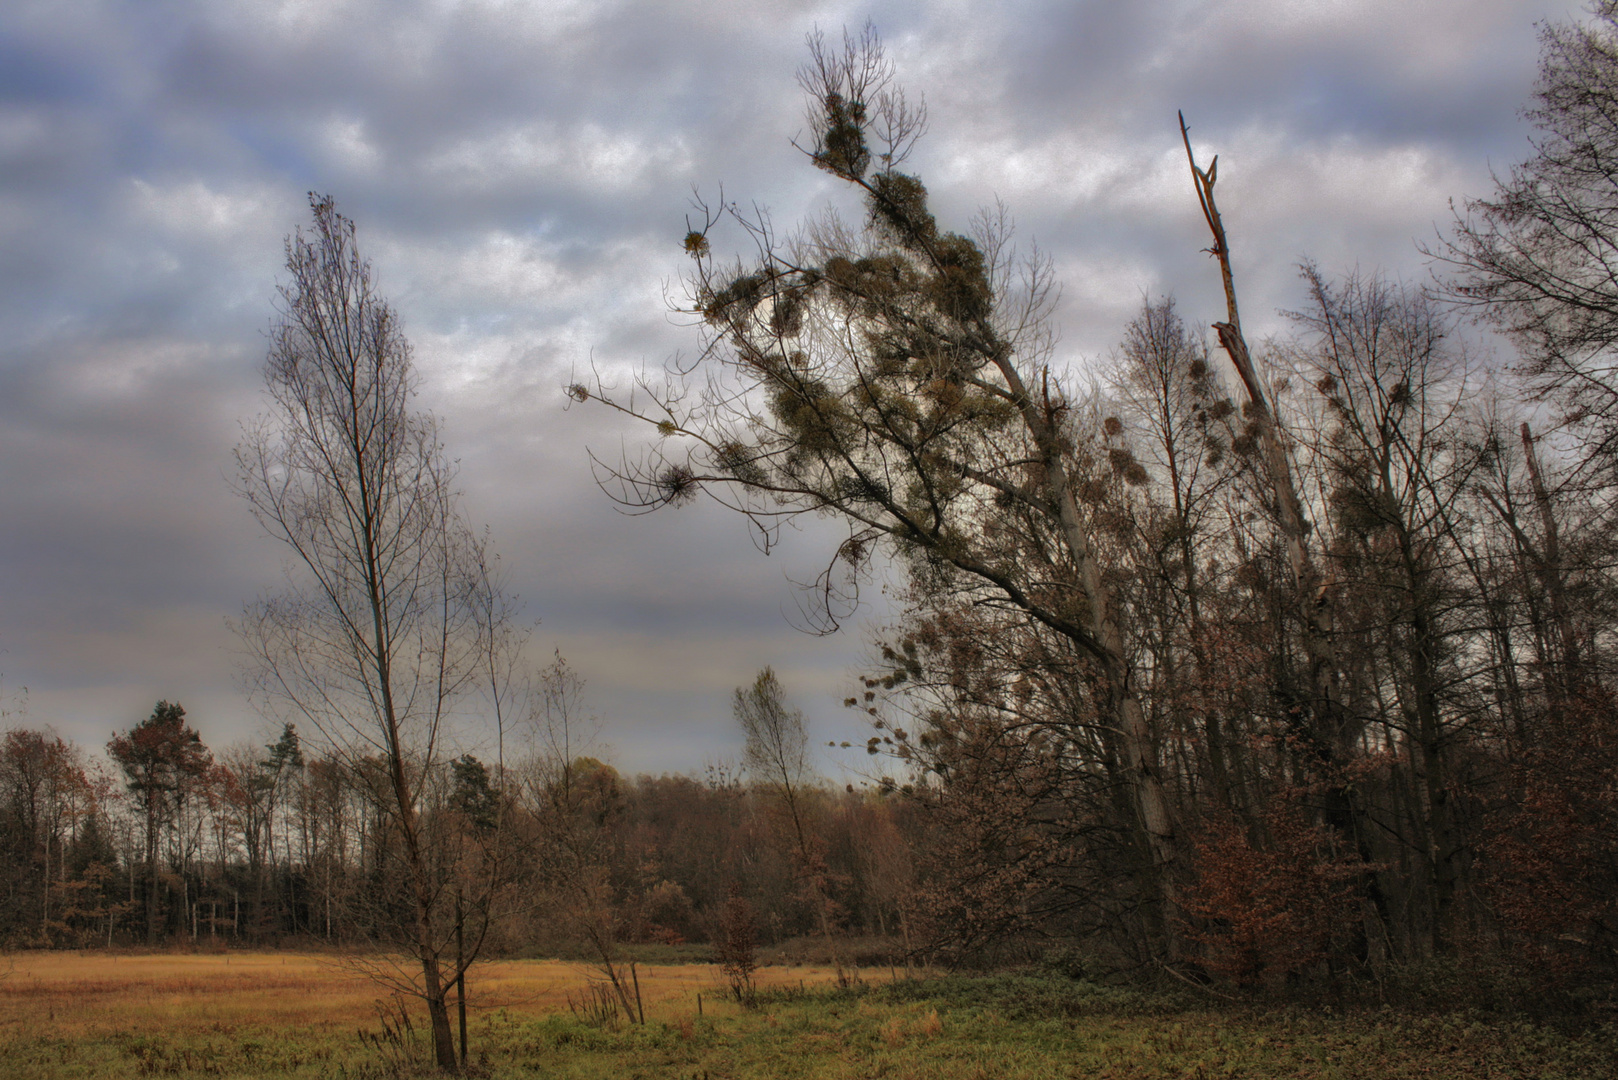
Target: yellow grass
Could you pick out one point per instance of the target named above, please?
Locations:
(68, 994)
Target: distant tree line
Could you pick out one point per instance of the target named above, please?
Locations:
(276, 844)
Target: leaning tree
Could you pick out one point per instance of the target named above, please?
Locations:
(895, 376)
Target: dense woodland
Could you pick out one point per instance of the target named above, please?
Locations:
(1256, 663)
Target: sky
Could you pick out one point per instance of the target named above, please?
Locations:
(520, 175)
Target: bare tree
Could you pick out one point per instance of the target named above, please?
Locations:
(1311, 596)
(777, 748)
(1186, 421)
(578, 802)
(1400, 465)
(381, 640)
(777, 759)
(1540, 257)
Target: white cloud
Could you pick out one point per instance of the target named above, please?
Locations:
(587, 155)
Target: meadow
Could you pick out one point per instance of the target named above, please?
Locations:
(73, 1015)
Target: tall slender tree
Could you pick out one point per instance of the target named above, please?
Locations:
(382, 636)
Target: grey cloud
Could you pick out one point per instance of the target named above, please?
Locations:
(519, 174)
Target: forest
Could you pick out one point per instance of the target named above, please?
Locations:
(1282, 666)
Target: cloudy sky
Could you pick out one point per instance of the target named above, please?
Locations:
(520, 173)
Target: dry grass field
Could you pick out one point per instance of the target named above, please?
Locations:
(125, 1016)
(95, 994)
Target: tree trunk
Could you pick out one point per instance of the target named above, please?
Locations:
(443, 1036)
(1330, 731)
(1550, 572)
(151, 869)
(1444, 849)
(1153, 823)
(460, 971)
(432, 980)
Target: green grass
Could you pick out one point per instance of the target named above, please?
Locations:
(1004, 1028)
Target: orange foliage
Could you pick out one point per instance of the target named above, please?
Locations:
(1266, 912)
(1555, 872)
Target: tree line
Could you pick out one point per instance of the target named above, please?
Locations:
(281, 844)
